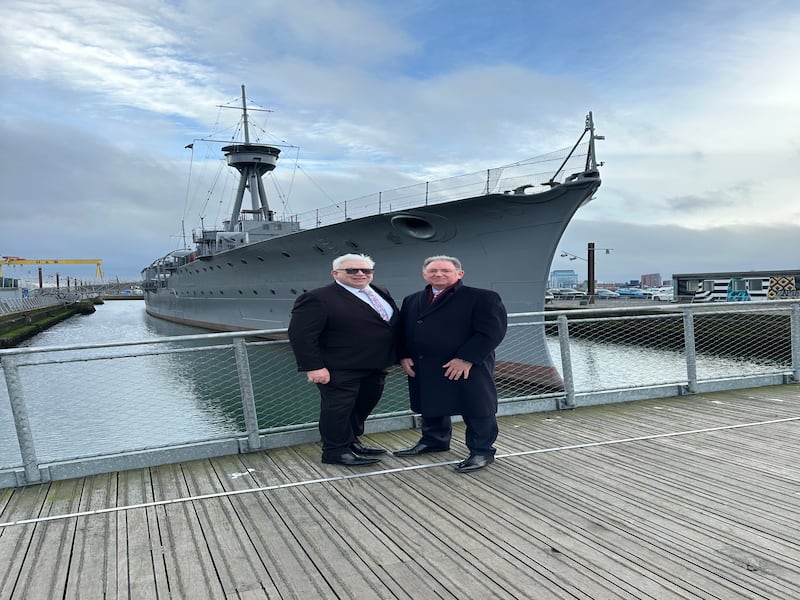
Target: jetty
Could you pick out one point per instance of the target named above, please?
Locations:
(684, 497)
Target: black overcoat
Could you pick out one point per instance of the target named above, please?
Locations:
(332, 328)
(465, 322)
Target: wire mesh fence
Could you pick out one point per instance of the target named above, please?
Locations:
(74, 403)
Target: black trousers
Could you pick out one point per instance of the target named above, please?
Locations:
(480, 436)
(345, 403)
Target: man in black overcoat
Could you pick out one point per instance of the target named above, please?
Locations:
(446, 346)
(344, 338)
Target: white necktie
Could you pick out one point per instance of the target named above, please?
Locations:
(376, 303)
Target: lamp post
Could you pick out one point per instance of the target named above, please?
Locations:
(590, 250)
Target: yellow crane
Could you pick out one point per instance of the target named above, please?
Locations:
(16, 260)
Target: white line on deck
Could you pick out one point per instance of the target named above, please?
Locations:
(280, 486)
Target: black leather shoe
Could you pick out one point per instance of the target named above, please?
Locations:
(360, 448)
(348, 459)
(419, 448)
(474, 462)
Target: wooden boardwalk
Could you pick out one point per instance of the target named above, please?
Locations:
(691, 497)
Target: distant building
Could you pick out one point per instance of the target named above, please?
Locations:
(9, 288)
(651, 280)
(565, 278)
(737, 286)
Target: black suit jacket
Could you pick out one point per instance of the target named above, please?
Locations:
(464, 322)
(332, 328)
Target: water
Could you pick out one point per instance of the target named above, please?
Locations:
(65, 426)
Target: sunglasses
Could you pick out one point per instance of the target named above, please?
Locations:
(354, 271)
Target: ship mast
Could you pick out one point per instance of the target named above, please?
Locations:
(252, 161)
(591, 159)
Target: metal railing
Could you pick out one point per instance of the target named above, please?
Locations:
(76, 410)
(11, 305)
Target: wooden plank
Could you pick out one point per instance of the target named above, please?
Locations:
(46, 567)
(190, 568)
(463, 542)
(92, 571)
(292, 569)
(140, 568)
(21, 504)
(227, 536)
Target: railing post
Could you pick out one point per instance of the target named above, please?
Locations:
(795, 334)
(566, 361)
(248, 397)
(21, 422)
(691, 351)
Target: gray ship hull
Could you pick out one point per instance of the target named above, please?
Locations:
(506, 243)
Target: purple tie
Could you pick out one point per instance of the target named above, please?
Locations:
(376, 303)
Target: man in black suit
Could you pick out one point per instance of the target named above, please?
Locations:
(446, 345)
(344, 337)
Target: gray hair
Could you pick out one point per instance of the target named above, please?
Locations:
(340, 260)
(452, 259)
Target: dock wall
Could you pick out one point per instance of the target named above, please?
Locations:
(16, 327)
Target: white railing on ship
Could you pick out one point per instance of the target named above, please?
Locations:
(496, 180)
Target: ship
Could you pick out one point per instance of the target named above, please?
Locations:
(504, 224)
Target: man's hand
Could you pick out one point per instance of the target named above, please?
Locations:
(319, 376)
(457, 367)
(408, 366)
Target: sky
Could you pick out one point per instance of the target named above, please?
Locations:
(698, 100)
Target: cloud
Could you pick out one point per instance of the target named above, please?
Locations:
(697, 102)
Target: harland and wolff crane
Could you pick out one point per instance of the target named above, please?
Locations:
(16, 260)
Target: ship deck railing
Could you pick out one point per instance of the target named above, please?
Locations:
(249, 384)
(534, 175)
(529, 176)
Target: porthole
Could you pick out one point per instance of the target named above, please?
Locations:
(286, 254)
(427, 227)
(244, 262)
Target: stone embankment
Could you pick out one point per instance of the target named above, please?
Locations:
(16, 327)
